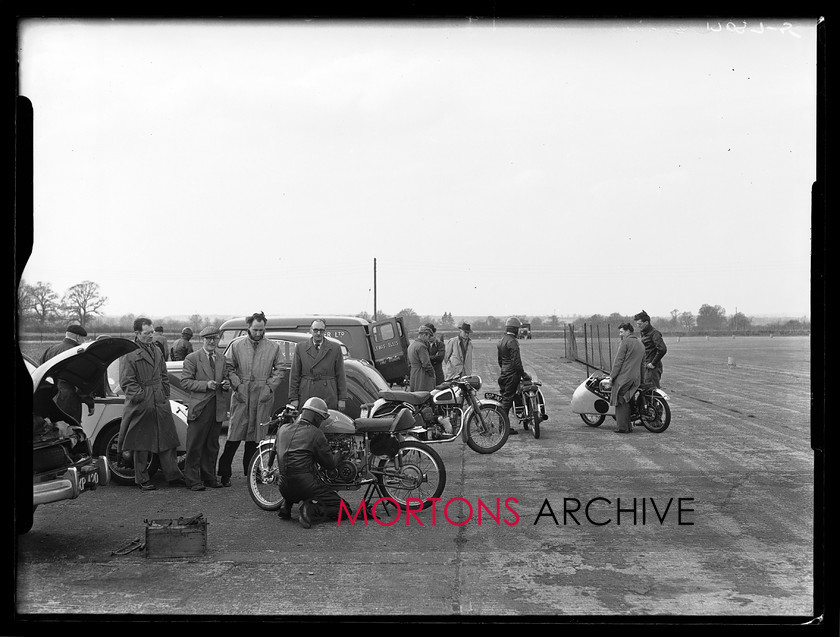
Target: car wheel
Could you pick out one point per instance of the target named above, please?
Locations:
(121, 464)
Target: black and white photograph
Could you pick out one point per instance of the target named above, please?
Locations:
(460, 319)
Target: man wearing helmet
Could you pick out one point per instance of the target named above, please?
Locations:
(510, 363)
(182, 346)
(300, 445)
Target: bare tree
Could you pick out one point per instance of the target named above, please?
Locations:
(687, 320)
(83, 301)
(44, 303)
(195, 321)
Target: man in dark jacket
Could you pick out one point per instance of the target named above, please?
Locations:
(160, 340)
(318, 370)
(422, 374)
(655, 348)
(182, 346)
(437, 348)
(300, 445)
(68, 398)
(510, 364)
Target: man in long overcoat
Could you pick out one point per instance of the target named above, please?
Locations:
(437, 349)
(147, 426)
(207, 402)
(68, 397)
(626, 376)
(318, 370)
(457, 357)
(253, 365)
(422, 374)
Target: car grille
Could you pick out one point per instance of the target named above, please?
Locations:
(51, 458)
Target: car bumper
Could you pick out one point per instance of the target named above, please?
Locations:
(71, 484)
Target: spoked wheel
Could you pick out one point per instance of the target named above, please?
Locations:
(416, 472)
(263, 481)
(492, 434)
(656, 416)
(593, 420)
(121, 464)
(536, 414)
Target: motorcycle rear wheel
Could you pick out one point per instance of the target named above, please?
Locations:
(420, 475)
(593, 420)
(262, 485)
(536, 415)
(496, 435)
(657, 415)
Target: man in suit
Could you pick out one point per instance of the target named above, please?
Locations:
(626, 376)
(68, 398)
(457, 357)
(204, 378)
(318, 370)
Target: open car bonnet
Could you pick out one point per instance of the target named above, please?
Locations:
(83, 366)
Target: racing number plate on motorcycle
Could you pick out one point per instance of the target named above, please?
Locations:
(493, 396)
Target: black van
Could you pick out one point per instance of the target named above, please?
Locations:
(383, 343)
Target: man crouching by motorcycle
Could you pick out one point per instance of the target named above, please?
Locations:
(300, 445)
(510, 365)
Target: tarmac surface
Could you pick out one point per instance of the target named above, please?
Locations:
(713, 517)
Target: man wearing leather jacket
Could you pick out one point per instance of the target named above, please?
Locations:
(300, 445)
(655, 349)
(510, 364)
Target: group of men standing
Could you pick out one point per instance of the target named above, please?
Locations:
(432, 360)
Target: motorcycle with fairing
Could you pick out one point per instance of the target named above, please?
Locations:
(376, 453)
(450, 411)
(648, 406)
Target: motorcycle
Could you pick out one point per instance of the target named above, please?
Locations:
(449, 411)
(376, 454)
(648, 406)
(528, 405)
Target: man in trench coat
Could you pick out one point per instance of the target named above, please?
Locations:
(147, 426)
(422, 375)
(253, 366)
(457, 358)
(207, 402)
(318, 370)
(626, 376)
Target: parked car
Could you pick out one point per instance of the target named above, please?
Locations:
(364, 381)
(384, 343)
(103, 427)
(65, 463)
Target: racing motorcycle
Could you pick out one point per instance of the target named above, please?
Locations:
(450, 411)
(648, 406)
(528, 405)
(376, 454)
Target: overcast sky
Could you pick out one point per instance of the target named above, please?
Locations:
(490, 167)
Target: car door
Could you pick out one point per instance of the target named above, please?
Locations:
(389, 346)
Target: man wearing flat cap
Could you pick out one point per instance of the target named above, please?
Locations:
(436, 351)
(655, 349)
(205, 379)
(68, 398)
(457, 356)
(422, 374)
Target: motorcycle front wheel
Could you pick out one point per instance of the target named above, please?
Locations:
(491, 436)
(656, 415)
(416, 471)
(536, 415)
(263, 481)
(593, 420)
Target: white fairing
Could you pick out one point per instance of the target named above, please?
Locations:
(583, 402)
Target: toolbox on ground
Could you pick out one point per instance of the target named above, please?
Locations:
(181, 537)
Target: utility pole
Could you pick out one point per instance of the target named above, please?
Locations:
(374, 289)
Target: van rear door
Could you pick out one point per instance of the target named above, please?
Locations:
(389, 344)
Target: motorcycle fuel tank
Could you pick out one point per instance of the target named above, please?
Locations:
(444, 396)
(341, 424)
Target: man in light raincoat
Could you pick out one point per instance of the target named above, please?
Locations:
(253, 365)
(147, 426)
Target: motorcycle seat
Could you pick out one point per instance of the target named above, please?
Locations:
(411, 397)
(399, 422)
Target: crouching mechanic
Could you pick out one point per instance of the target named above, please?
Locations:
(300, 445)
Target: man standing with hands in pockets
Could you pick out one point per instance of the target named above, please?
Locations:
(318, 370)
(209, 394)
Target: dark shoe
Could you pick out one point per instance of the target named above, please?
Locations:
(225, 481)
(177, 482)
(285, 511)
(148, 486)
(197, 487)
(303, 516)
(213, 485)
(513, 432)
